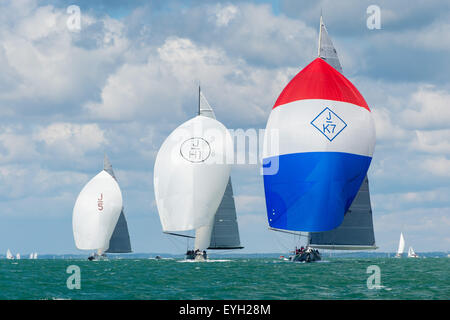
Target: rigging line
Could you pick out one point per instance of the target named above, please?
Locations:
(280, 243)
(175, 243)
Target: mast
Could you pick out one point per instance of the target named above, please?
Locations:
(199, 92)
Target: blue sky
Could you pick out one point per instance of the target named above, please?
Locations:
(124, 81)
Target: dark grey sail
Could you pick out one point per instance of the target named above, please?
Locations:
(225, 233)
(356, 231)
(120, 239)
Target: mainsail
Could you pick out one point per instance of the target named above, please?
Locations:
(190, 176)
(225, 231)
(356, 231)
(401, 245)
(120, 239)
(9, 255)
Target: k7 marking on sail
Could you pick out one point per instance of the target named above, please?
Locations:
(329, 123)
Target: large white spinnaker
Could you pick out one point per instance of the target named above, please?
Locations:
(191, 173)
(96, 212)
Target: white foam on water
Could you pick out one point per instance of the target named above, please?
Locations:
(195, 261)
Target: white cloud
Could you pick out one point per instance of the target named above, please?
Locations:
(15, 147)
(162, 86)
(431, 109)
(434, 141)
(225, 14)
(438, 166)
(71, 139)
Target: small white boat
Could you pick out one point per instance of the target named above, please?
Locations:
(411, 253)
(18, 256)
(9, 255)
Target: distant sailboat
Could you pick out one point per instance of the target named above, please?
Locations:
(9, 255)
(411, 253)
(192, 184)
(18, 256)
(98, 220)
(401, 246)
(322, 160)
(33, 255)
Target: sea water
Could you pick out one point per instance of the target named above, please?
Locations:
(226, 278)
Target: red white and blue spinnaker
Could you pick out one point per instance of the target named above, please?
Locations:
(326, 141)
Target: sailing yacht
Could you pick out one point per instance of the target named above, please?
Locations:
(327, 201)
(9, 255)
(17, 256)
(411, 253)
(98, 218)
(193, 187)
(401, 246)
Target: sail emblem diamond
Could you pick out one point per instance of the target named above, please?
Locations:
(329, 123)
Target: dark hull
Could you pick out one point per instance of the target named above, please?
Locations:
(306, 257)
(199, 256)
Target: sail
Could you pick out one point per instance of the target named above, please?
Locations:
(191, 173)
(401, 245)
(326, 141)
(96, 212)
(18, 256)
(9, 255)
(411, 252)
(204, 108)
(355, 232)
(225, 233)
(326, 49)
(107, 166)
(120, 239)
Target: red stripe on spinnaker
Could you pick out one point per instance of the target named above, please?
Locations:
(319, 80)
